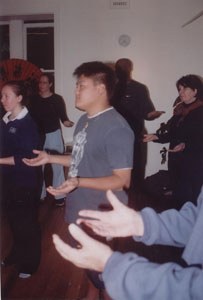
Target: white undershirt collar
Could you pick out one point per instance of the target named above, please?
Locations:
(99, 113)
(21, 115)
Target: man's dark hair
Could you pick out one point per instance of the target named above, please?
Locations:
(193, 82)
(99, 72)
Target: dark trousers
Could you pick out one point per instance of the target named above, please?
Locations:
(139, 163)
(190, 179)
(21, 207)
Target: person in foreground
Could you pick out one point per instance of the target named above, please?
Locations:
(129, 276)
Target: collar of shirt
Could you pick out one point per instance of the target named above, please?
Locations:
(99, 113)
(21, 115)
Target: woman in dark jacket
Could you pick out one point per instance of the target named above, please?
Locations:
(185, 134)
(19, 182)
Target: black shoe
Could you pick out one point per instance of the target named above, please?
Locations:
(60, 202)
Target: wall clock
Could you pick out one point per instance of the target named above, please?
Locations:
(124, 40)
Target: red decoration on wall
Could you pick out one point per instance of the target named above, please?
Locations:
(19, 69)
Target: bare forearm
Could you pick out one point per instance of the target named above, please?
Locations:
(154, 115)
(63, 160)
(7, 161)
(118, 181)
(103, 183)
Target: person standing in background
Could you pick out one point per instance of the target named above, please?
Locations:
(184, 132)
(132, 101)
(47, 110)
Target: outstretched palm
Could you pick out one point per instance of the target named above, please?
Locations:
(122, 221)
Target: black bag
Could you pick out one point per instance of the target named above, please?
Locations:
(158, 184)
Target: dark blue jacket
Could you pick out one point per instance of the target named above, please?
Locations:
(18, 138)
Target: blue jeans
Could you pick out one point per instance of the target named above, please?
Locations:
(54, 143)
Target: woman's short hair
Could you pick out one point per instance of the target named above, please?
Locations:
(193, 82)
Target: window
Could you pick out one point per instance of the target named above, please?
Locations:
(39, 45)
(36, 43)
(4, 42)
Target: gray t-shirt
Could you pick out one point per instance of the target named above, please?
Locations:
(101, 144)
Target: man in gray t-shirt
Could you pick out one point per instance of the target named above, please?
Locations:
(102, 143)
(102, 156)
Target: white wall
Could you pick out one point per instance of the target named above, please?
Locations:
(162, 51)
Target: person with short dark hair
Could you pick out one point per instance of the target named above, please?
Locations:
(102, 156)
(19, 184)
(48, 110)
(192, 81)
(184, 132)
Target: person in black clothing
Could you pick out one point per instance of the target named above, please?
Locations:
(132, 101)
(184, 132)
(47, 110)
(19, 182)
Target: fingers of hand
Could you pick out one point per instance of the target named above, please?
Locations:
(28, 161)
(36, 151)
(91, 214)
(66, 187)
(51, 191)
(55, 191)
(95, 225)
(99, 228)
(176, 149)
(114, 200)
(63, 248)
(104, 216)
(78, 234)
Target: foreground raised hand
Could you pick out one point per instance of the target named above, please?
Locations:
(41, 159)
(65, 188)
(122, 221)
(90, 255)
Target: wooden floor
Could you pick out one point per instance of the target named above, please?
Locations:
(57, 278)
